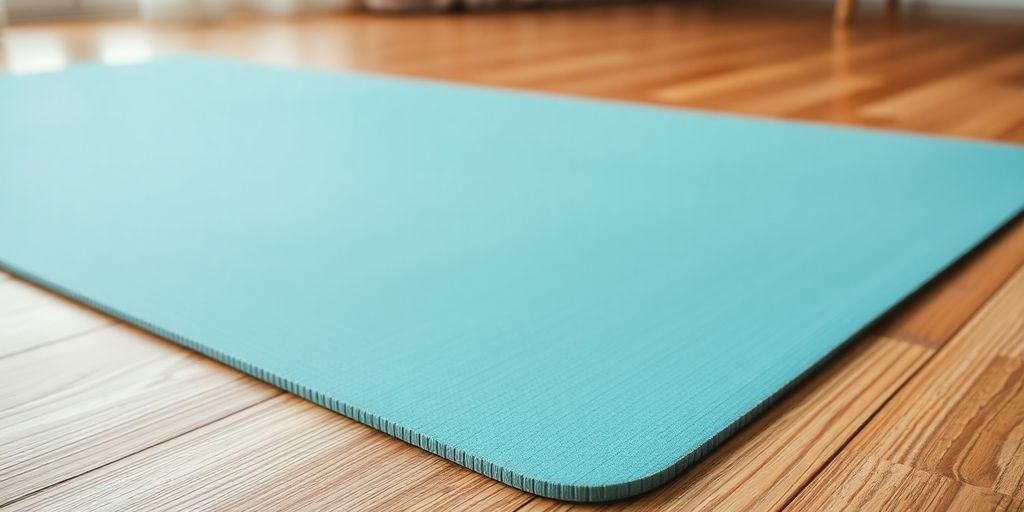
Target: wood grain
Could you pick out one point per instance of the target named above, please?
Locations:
(17, 296)
(283, 454)
(945, 305)
(879, 485)
(30, 317)
(76, 405)
(960, 420)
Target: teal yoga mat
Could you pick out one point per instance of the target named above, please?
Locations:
(576, 298)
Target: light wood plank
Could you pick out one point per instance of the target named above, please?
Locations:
(35, 317)
(18, 296)
(76, 405)
(283, 454)
(24, 330)
(961, 418)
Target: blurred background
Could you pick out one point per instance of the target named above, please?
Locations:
(196, 10)
(950, 67)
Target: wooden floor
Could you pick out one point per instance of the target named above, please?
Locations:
(926, 412)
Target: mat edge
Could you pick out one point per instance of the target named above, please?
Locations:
(547, 489)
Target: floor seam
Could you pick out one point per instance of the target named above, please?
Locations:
(527, 502)
(60, 339)
(136, 452)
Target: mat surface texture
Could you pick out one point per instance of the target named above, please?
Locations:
(573, 297)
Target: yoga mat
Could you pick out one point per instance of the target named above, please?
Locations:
(576, 298)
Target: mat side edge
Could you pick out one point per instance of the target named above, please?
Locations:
(547, 489)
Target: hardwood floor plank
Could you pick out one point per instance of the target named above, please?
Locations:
(693, 90)
(24, 330)
(539, 45)
(880, 485)
(975, 67)
(542, 71)
(18, 296)
(1000, 57)
(999, 113)
(283, 454)
(947, 304)
(684, 60)
(960, 419)
(84, 402)
(35, 317)
(739, 83)
(648, 50)
(799, 97)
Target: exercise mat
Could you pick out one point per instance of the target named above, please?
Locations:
(576, 298)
